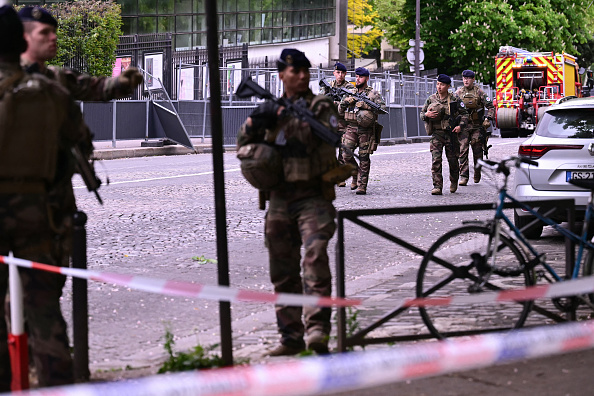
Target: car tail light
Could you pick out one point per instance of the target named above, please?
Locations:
(538, 150)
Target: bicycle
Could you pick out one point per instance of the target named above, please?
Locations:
(465, 260)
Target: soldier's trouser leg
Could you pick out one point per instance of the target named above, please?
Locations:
(477, 151)
(436, 145)
(364, 160)
(347, 155)
(30, 237)
(47, 328)
(5, 372)
(284, 245)
(452, 150)
(464, 143)
(316, 226)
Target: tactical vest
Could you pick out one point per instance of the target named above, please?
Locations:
(471, 101)
(302, 160)
(29, 131)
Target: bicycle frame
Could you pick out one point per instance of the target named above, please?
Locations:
(582, 240)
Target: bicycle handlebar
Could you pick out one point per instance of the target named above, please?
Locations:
(501, 166)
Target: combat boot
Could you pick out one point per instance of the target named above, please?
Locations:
(285, 350)
(436, 191)
(342, 184)
(318, 342)
(463, 181)
(361, 191)
(477, 176)
(454, 186)
(354, 185)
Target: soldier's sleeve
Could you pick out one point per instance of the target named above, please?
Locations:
(379, 100)
(325, 112)
(424, 110)
(88, 88)
(490, 114)
(462, 112)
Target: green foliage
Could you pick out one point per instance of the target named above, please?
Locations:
(90, 29)
(366, 35)
(203, 260)
(461, 34)
(197, 359)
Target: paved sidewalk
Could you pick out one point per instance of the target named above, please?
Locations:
(253, 335)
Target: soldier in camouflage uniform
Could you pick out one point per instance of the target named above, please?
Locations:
(339, 82)
(300, 210)
(475, 101)
(445, 116)
(361, 121)
(40, 33)
(33, 110)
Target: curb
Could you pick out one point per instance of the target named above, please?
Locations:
(119, 153)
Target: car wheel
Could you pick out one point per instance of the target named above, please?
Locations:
(533, 232)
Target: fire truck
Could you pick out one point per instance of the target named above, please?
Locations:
(527, 83)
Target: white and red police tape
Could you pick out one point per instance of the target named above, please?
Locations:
(350, 371)
(223, 293)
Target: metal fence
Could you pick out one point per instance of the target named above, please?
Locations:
(404, 95)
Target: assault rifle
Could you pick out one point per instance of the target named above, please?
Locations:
(297, 109)
(87, 172)
(483, 136)
(341, 92)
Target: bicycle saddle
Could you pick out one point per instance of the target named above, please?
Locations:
(583, 183)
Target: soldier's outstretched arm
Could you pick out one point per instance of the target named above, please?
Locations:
(85, 87)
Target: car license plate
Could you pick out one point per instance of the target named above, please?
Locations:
(578, 175)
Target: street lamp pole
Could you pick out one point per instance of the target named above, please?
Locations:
(417, 38)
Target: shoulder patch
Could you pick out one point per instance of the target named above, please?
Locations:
(488, 99)
(333, 121)
(461, 104)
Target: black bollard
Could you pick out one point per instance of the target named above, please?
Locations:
(80, 324)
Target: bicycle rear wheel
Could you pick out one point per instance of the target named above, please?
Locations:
(589, 269)
(450, 269)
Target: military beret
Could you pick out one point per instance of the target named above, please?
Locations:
(292, 57)
(468, 73)
(11, 32)
(361, 71)
(339, 66)
(444, 79)
(37, 14)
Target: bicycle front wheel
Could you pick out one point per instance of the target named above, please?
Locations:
(459, 263)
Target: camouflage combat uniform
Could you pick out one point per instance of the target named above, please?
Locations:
(475, 101)
(85, 88)
(34, 109)
(441, 138)
(341, 122)
(300, 213)
(361, 122)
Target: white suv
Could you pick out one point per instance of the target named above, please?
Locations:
(563, 146)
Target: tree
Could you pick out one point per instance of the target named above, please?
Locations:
(467, 34)
(88, 35)
(363, 18)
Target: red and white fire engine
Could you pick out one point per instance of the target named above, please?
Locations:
(527, 82)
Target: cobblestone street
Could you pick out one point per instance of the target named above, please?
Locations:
(159, 214)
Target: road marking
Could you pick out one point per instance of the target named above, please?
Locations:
(162, 178)
(376, 154)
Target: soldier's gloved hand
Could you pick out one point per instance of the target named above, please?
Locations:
(130, 78)
(265, 115)
(486, 123)
(349, 100)
(362, 105)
